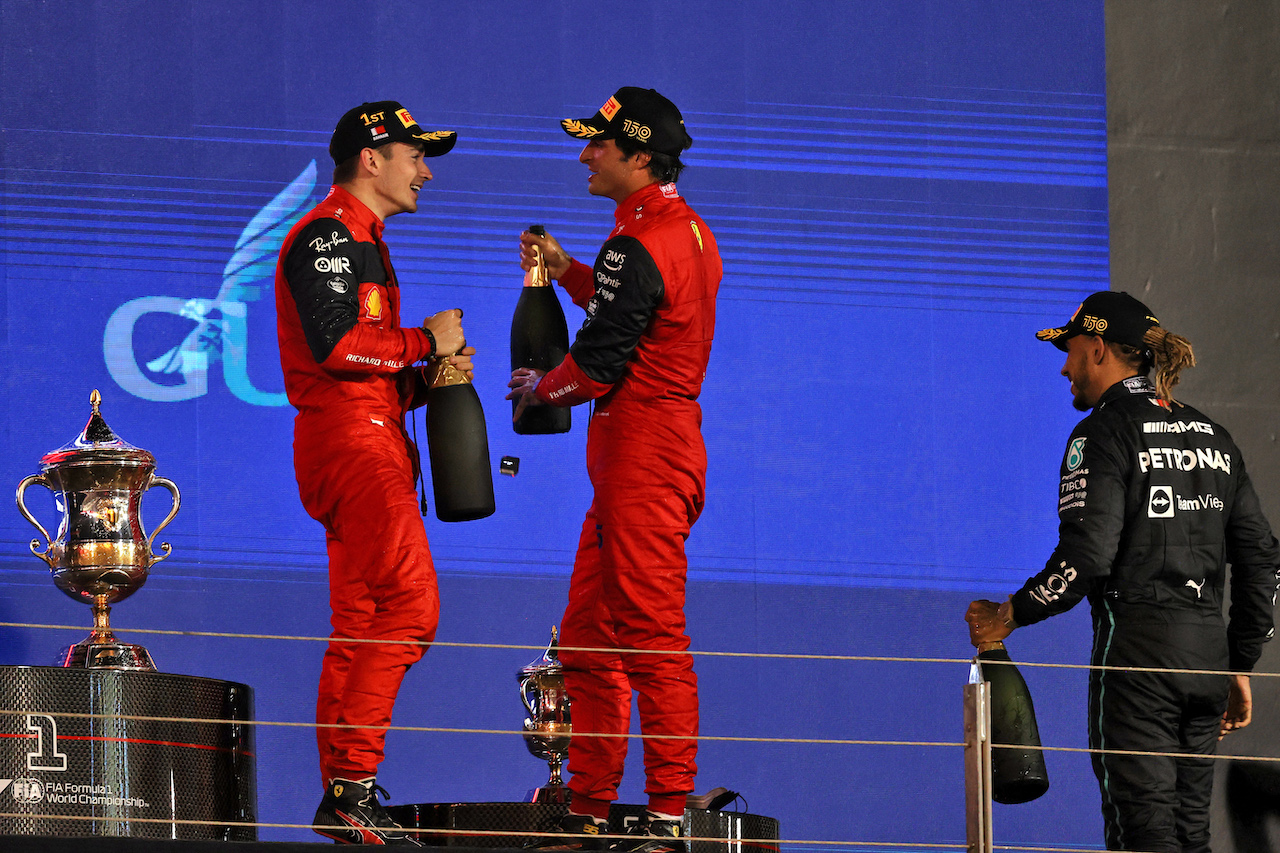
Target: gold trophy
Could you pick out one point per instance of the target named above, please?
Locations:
(547, 728)
(102, 554)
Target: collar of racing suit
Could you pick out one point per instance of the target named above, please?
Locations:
(1133, 385)
(352, 211)
(647, 194)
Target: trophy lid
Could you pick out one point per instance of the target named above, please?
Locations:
(550, 660)
(97, 443)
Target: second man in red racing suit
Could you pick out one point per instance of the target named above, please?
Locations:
(642, 355)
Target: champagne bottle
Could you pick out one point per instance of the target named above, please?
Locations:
(1018, 773)
(458, 444)
(539, 339)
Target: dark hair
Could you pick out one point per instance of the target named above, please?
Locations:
(1168, 353)
(346, 170)
(1137, 359)
(666, 168)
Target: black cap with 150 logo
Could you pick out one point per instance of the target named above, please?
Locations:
(641, 115)
(1112, 315)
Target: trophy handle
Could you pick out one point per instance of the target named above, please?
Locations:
(165, 483)
(22, 508)
(524, 697)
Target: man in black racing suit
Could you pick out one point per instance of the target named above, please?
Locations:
(1153, 503)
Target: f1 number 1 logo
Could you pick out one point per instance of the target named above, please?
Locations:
(46, 756)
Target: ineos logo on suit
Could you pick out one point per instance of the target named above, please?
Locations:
(338, 265)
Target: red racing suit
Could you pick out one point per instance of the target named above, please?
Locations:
(347, 371)
(643, 352)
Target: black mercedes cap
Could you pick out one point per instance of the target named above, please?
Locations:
(638, 114)
(375, 124)
(1112, 315)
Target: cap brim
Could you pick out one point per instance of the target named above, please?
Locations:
(436, 142)
(1058, 337)
(583, 128)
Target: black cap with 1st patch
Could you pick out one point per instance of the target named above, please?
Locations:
(641, 115)
(375, 124)
(1112, 315)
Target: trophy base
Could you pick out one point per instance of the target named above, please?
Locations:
(107, 655)
(550, 795)
(146, 762)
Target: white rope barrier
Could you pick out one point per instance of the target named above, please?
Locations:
(136, 718)
(772, 844)
(598, 649)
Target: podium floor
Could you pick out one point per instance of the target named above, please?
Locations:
(446, 828)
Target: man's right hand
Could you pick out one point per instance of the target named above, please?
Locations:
(989, 622)
(446, 328)
(1239, 705)
(556, 258)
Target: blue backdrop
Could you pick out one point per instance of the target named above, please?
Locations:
(902, 193)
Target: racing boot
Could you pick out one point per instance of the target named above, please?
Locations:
(585, 830)
(653, 834)
(351, 814)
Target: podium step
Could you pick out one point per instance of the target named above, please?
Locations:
(493, 825)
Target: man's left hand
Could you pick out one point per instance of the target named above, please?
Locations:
(524, 381)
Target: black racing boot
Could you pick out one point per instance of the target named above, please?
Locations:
(652, 834)
(351, 814)
(584, 829)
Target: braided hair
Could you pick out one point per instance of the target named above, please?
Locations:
(1170, 355)
(1166, 353)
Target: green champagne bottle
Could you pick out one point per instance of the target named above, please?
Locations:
(1018, 773)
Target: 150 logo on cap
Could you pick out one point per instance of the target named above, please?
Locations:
(636, 130)
(1094, 324)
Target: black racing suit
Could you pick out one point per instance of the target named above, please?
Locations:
(1154, 502)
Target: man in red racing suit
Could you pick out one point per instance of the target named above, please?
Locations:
(642, 354)
(348, 369)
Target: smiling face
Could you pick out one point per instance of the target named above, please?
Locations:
(1082, 367)
(612, 174)
(399, 172)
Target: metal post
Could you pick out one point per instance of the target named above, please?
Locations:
(977, 767)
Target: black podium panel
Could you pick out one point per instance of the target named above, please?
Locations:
(493, 825)
(63, 773)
